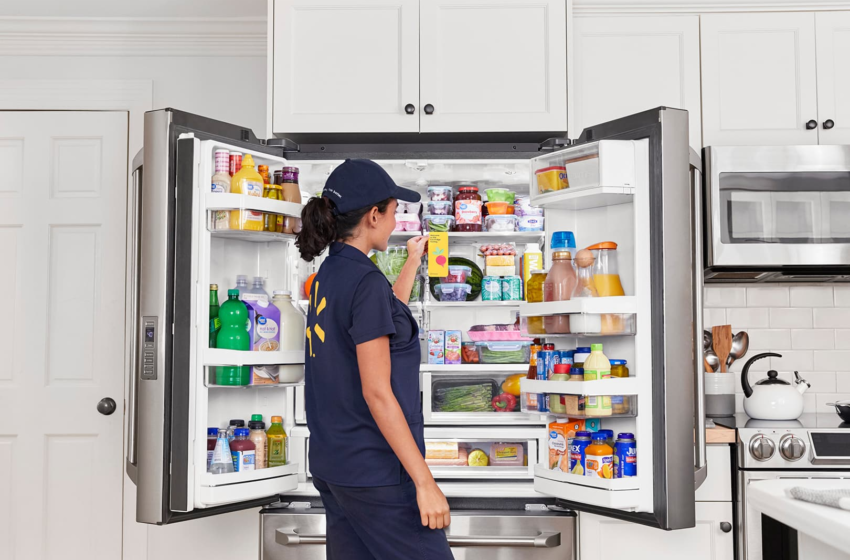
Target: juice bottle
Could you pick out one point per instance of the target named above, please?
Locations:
(243, 451)
(597, 366)
(606, 277)
(215, 322)
(532, 259)
(248, 182)
(558, 286)
(277, 443)
(599, 458)
(261, 442)
(233, 336)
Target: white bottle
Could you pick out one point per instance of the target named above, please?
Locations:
(220, 219)
(292, 327)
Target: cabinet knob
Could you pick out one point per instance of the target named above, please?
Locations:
(429, 109)
(828, 123)
(811, 125)
(409, 109)
(725, 526)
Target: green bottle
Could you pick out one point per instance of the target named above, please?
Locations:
(215, 322)
(276, 437)
(233, 336)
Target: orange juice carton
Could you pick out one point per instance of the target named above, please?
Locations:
(558, 443)
(264, 331)
(436, 347)
(453, 343)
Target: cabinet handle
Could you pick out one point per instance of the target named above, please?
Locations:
(409, 109)
(429, 110)
(811, 125)
(725, 526)
(828, 123)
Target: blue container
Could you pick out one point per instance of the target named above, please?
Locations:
(567, 356)
(563, 240)
(609, 437)
(625, 456)
(545, 368)
(577, 449)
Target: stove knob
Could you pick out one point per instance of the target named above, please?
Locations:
(762, 448)
(791, 447)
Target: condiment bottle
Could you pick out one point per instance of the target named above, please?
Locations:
(258, 437)
(597, 367)
(220, 219)
(468, 208)
(530, 399)
(271, 192)
(558, 286)
(277, 443)
(619, 403)
(291, 193)
(243, 451)
(557, 403)
(248, 182)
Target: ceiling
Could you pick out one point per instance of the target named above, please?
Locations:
(134, 8)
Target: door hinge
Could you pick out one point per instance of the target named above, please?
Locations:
(536, 507)
(285, 144)
(552, 144)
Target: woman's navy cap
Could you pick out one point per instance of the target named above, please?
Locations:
(358, 183)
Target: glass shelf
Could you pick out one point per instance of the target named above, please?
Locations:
(611, 484)
(253, 236)
(220, 357)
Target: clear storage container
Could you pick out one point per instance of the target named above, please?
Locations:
(407, 222)
(452, 292)
(501, 222)
(437, 223)
(503, 352)
(440, 193)
(439, 208)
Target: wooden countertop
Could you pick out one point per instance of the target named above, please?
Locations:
(720, 434)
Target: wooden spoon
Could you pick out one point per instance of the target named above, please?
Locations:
(722, 336)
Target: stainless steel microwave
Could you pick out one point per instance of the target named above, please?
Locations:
(777, 213)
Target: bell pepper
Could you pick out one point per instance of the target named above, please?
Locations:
(505, 402)
(511, 384)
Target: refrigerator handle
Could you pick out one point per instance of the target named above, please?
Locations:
(541, 540)
(700, 451)
(132, 314)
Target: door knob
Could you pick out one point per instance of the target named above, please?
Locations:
(106, 406)
(429, 110)
(828, 123)
(409, 109)
(811, 125)
(725, 526)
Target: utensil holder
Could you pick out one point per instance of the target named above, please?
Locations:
(719, 394)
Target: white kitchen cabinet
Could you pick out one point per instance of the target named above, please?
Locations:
(624, 65)
(759, 79)
(493, 65)
(605, 538)
(833, 54)
(342, 66)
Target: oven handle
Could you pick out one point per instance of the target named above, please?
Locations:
(700, 451)
(542, 540)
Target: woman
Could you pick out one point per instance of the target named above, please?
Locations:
(362, 377)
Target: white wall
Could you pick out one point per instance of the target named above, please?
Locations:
(808, 324)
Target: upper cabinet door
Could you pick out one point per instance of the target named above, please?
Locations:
(759, 79)
(493, 65)
(625, 65)
(343, 66)
(833, 36)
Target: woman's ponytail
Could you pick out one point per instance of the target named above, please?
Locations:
(318, 228)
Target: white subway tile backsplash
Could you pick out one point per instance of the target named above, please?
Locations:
(739, 402)
(831, 360)
(842, 381)
(810, 402)
(713, 317)
(793, 360)
(769, 339)
(790, 318)
(748, 317)
(842, 296)
(820, 381)
(812, 339)
(842, 339)
(811, 296)
(767, 297)
(831, 318)
(725, 297)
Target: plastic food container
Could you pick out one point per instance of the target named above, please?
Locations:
(551, 179)
(437, 223)
(440, 193)
(453, 292)
(507, 455)
(500, 195)
(531, 223)
(439, 208)
(407, 222)
(523, 207)
(408, 207)
(501, 223)
(496, 207)
(503, 352)
(457, 274)
(500, 271)
(468, 353)
(496, 336)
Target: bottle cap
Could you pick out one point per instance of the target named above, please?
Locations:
(596, 348)
(214, 287)
(259, 280)
(241, 432)
(618, 362)
(577, 371)
(257, 425)
(277, 420)
(562, 368)
(625, 435)
(282, 293)
(583, 434)
(563, 240)
(608, 433)
(247, 161)
(212, 432)
(237, 422)
(256, 418)
(232, 293)
(599, 437)
(241, 278)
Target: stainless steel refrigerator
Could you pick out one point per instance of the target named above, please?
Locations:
(633, 180)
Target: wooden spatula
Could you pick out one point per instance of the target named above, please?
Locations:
(722, 336)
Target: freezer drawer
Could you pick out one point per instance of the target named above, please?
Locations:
(299, 534)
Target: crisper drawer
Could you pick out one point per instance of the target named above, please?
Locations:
(288, 534)
(482, 453)
(475, 398)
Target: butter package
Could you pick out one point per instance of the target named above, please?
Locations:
(453, 344)
(436, 347)
(264, 330)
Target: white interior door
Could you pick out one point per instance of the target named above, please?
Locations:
(759, 79)
(625, 65)
(493, 65)
(62, 213)
(833, 38)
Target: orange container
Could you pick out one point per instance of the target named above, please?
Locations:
(599, 458)
(497, 207)
(551, 179)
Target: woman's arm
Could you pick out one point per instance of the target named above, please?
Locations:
(404, 284)
(373, 358)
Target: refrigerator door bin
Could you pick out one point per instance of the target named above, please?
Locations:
(605, 164)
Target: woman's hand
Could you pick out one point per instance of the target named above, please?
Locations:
(433, 506)
(416, 247)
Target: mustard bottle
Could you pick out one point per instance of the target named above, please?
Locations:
(247, 181)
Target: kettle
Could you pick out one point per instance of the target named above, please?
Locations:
(772, 398)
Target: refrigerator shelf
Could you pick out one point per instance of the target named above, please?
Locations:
(255, 386)
(230, 201)
(612, 484)
(481, 473)
(219, 357)
(230, 488)
(475, 368)
(480, 237)
(584, 199)
(486, 418)
(598, 305)
(604, 387)
(213, 480)
(253, 236)
(399, 236)
(479, 303)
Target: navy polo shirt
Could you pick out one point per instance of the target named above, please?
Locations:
(351, 302)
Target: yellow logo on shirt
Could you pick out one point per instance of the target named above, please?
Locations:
(316, 328)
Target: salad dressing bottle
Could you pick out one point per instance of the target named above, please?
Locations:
(247, 182)
(596, 367)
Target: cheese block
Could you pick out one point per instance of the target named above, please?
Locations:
(441, 450)
(500, 270)
(500, 260)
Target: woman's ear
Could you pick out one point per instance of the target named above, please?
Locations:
(374, 216)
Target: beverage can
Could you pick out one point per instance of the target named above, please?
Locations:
(625, 456)
(491, 288)
(511, 288)
(578, 447)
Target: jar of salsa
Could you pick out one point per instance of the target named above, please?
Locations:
(468, 209)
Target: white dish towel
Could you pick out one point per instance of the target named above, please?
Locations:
(833, 498)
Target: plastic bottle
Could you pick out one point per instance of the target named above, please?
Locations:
(261, 442)
(558, 286)
(292, 326)
(233, 336)
(248, 182)
(215, 322)
(222, 460)
(232, 427)
(241, 285)
(277, 443)
(596, 367)
(220, 219)
(243, 451)
(258, 289)
(584, 275)
(532, 259)
(599, 458)
(212, 437)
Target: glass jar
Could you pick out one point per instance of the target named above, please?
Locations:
(558, 286)
(468, 209)
(291, 193)
(534, 294)
(619, 403)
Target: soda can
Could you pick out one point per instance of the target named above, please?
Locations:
(625, 456)
(235, 162)
(578, 447)
(511, 288)
(491, 288)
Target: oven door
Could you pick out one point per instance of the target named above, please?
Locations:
(777, 206)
